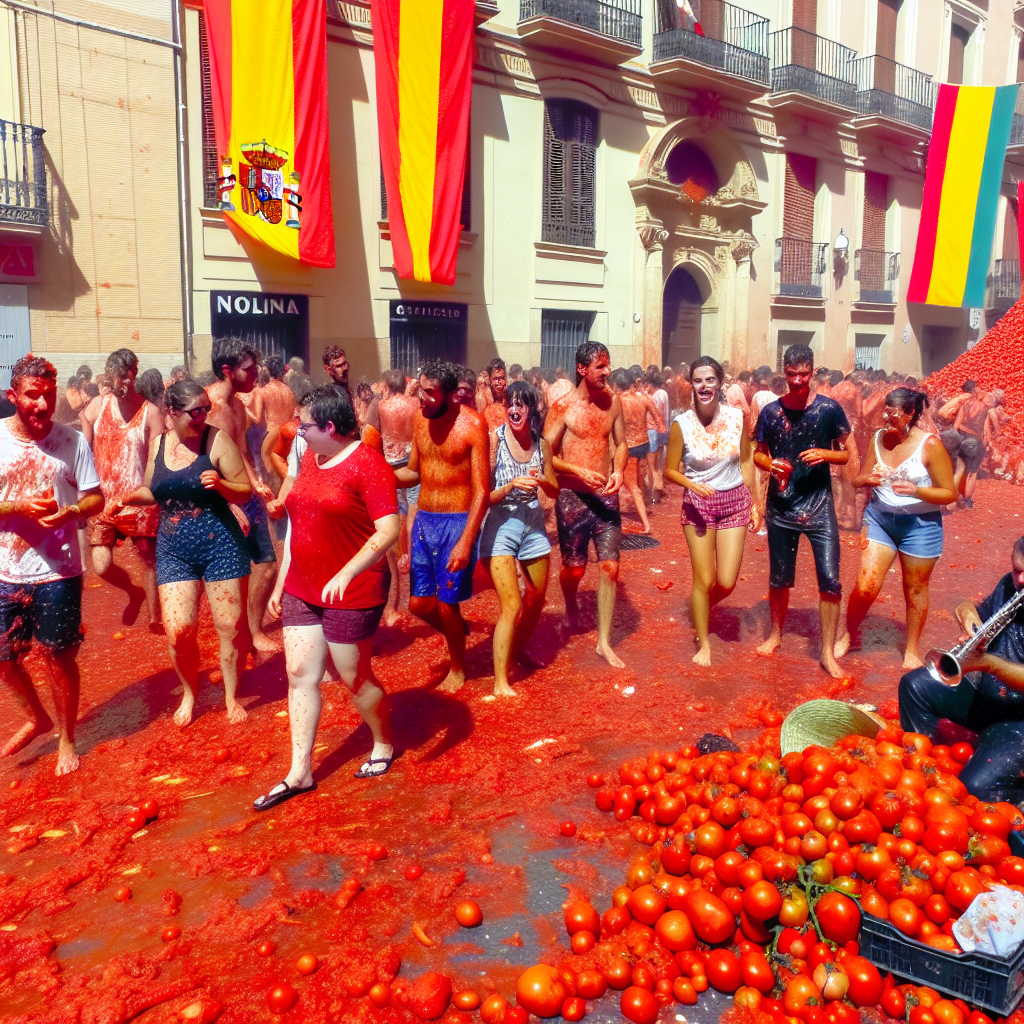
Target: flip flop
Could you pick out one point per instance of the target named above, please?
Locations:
(264, 803)
(364, 774)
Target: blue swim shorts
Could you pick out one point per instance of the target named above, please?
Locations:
(434, 535)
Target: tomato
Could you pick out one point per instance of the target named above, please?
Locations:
(723, 970)
(762, 901)
(581, 916)
(568, 828)
(709, 916)
(684, 992)
(639, 1006)
(799, 991)
(380, 996)
(905, 916)
(468, 913)
(591, 984)
(862, 828)
(872, 861)
(675, 856)
(582, 942)
(674, 931)
(1011, 869)
(307, 964)
(865, 981)
(123, 894)
(937, 909)
(150, 809)
(820, 953)
(644, 976)
(728, 865)
(846, 802)
(794, 909)
(282, 997)
(946, 1011)
(541, 990)
(749, 873)
(709, 839)
(614, 920)
(494, 1009)
(813, 846)
(756, 831)
(596, 780)
(945, 834)
(170, 933)
(756, 971)
(797, 824)
(839, 917)
(987, 820)
(618, 972)
(574, 1008)
(646, 904)
(221, 754)
(136, 819)
(894, 1003)
(988, 849)
(376, 851)
(963, 886)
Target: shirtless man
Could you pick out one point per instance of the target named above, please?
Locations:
(119, 427)
(582, 428)
(366, 406)
(274, 404)
(495, 412)
(336, 365)
(635, 409)
(235, 365)
(850, 501)
(465, 392)
(450, 460)
(48, 483)
(654, 387)
(397, 420)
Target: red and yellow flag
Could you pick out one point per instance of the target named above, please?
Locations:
(268, 65)
(423, 51)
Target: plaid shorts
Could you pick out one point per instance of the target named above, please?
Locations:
(724, 510)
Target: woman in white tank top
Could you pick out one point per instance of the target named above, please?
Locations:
(911, 478)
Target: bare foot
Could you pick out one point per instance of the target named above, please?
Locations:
(703, 656)
(236, 713)
(770, 646)
(574, 623)
(156, 626)
(605, 651)
(452, 682)
(911, 661)
(831, 666)
(843, 644)
(132, 609)
(183, 716)
(67, 759)
(262, 642)
(504, 690)
(25, 735)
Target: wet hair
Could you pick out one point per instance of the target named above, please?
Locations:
(587, 352)
(32, 366)
(654, 378)
(275, 366)
(527, 394)
(297, 364)
(466, 375)
(798, 355)
(446, 374)
(777, 384)
(969, 385)
(496, 364)
(821, 372)
(621, 379)
(178, 373)
(332, 352)
(515, 370)
(121, 362)
(909, 401)
(835, 377)
(394, 381)
(911, 382)
(150, 384)
(84, 371)
(331, 403)
(764, 370)
(73, 384)
(744, 375)
(179, 394)
(230, 352)
(708, 361)
(92, 389)
(263, 376)
(364, 391)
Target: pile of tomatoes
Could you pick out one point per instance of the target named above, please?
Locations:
(757, 873)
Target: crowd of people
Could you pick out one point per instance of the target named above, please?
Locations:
(311, 504)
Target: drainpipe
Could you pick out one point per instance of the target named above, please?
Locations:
(184, 200)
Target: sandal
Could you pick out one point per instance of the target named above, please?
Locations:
(264, 803)
(365, 771)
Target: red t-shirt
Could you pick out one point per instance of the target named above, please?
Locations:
(332, 512)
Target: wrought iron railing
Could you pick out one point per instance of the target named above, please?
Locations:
(1006, 282)
(619, 19)
(1017, 129)
(878, 274)
(734, 41)
(23, 195)
(813, 65)
(894, 90)
(800, 266)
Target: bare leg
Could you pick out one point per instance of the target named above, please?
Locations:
(446, 619)
(391, 613)
(503, 572)
(729, 546)
(354, 664)
(916, 574)
(13, 675)
(64, 686)
(778, 601)
(570, 578)
(829, 609)
(702, 558)
(179, 603)
(535, 573)
(970, 483)
(261, 583)
(146, 549)
(651, 459)
(227, 608)
(874, 564)
(109, 572)
(305, 653)
(606, 586)
(632, 479)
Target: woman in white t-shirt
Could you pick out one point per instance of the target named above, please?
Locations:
(710, 454)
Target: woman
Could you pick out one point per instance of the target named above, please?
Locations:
(333, 581)
(194, 471)
(911, 477)
(514, 530)
(709, 453)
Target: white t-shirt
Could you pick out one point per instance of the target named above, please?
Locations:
(60, 463)
(711, 455)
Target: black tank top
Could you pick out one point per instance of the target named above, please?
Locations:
(175, 489)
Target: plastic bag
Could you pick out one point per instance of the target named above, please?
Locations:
(993, 923)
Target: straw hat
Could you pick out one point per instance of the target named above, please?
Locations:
(824, 723)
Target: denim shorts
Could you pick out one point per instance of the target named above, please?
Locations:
(514, 529)
(919, 536)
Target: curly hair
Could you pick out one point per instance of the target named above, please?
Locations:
(32, 366)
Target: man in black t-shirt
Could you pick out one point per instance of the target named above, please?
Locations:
(989, 700)
(798, 438)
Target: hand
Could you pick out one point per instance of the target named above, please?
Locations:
(275, 508)
(781, 470)
(460, 555)
(524, 483)
(263, 491)
(274, 604)
(905, 487)
(336, 586)
(755, 519)
(210, 479)
(702, 490)
(59, 518)
(875, 480)
(614, 483)
(594, 480)
(814, 456)
(36, 508)
(977, 661)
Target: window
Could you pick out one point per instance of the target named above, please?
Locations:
(464, 210)
(787, 338)
(798, 203)
(867, 354)
(570, 157)
(689, 167)
(959, 37)
(885, 28)
(424, 331)
(876, 202)
(211, 158)
(562, 331)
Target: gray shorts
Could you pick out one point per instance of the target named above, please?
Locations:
(407, 496)
(514, 529)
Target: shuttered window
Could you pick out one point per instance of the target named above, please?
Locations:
(885, 28)
(1020, 62)
(876, 202)
(464, 210)
(1011, 249)
(958, 39)
(211, 159)
(798, 206)
(570, 159)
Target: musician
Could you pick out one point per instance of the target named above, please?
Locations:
(988, 701)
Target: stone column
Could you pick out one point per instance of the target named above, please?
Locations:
(653, 237)
(741, 253)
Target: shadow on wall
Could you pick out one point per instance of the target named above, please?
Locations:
(60, 279)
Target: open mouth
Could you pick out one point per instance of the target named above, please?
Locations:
(705, 396)
(516, 416)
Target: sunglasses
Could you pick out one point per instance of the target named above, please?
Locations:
(198, 412)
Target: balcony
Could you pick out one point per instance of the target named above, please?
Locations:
(893, 100)
(731, 58)
(607, 31)
(24, 205)
(1004, 289)
(800, 267)
(811, 75)
(1017, 129)
(878, 274)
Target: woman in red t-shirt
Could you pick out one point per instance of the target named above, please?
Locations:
(333, 581)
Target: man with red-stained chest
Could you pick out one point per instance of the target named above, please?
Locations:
(48, 484)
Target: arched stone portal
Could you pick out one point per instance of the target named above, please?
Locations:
(680, 319)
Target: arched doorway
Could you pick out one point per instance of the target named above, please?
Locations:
(680, 319)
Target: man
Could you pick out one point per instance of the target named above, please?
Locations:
(973, 427)
(450, 460)
(465, 392)
(47, 484)
(736, 394)
(798, 438)
(654, 387)
(636, 407)
(495, 412)
(367, 406)
(235, 368)
(989, 700)
(850, 501)
(336, 365)
(587, 434)
(120, 426)
(273, 405)
(947, 410)
(177, 373)
(515, 372)
(70, 402)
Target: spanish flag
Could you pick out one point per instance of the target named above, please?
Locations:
(268, 69)
(970, 134)
(423, 52)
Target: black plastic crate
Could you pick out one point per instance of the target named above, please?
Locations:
(979, 979)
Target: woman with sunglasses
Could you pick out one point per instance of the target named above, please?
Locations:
(194, 471)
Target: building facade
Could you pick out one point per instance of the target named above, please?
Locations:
(630, 180)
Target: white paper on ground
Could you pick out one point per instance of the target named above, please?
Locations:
(993, 923)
